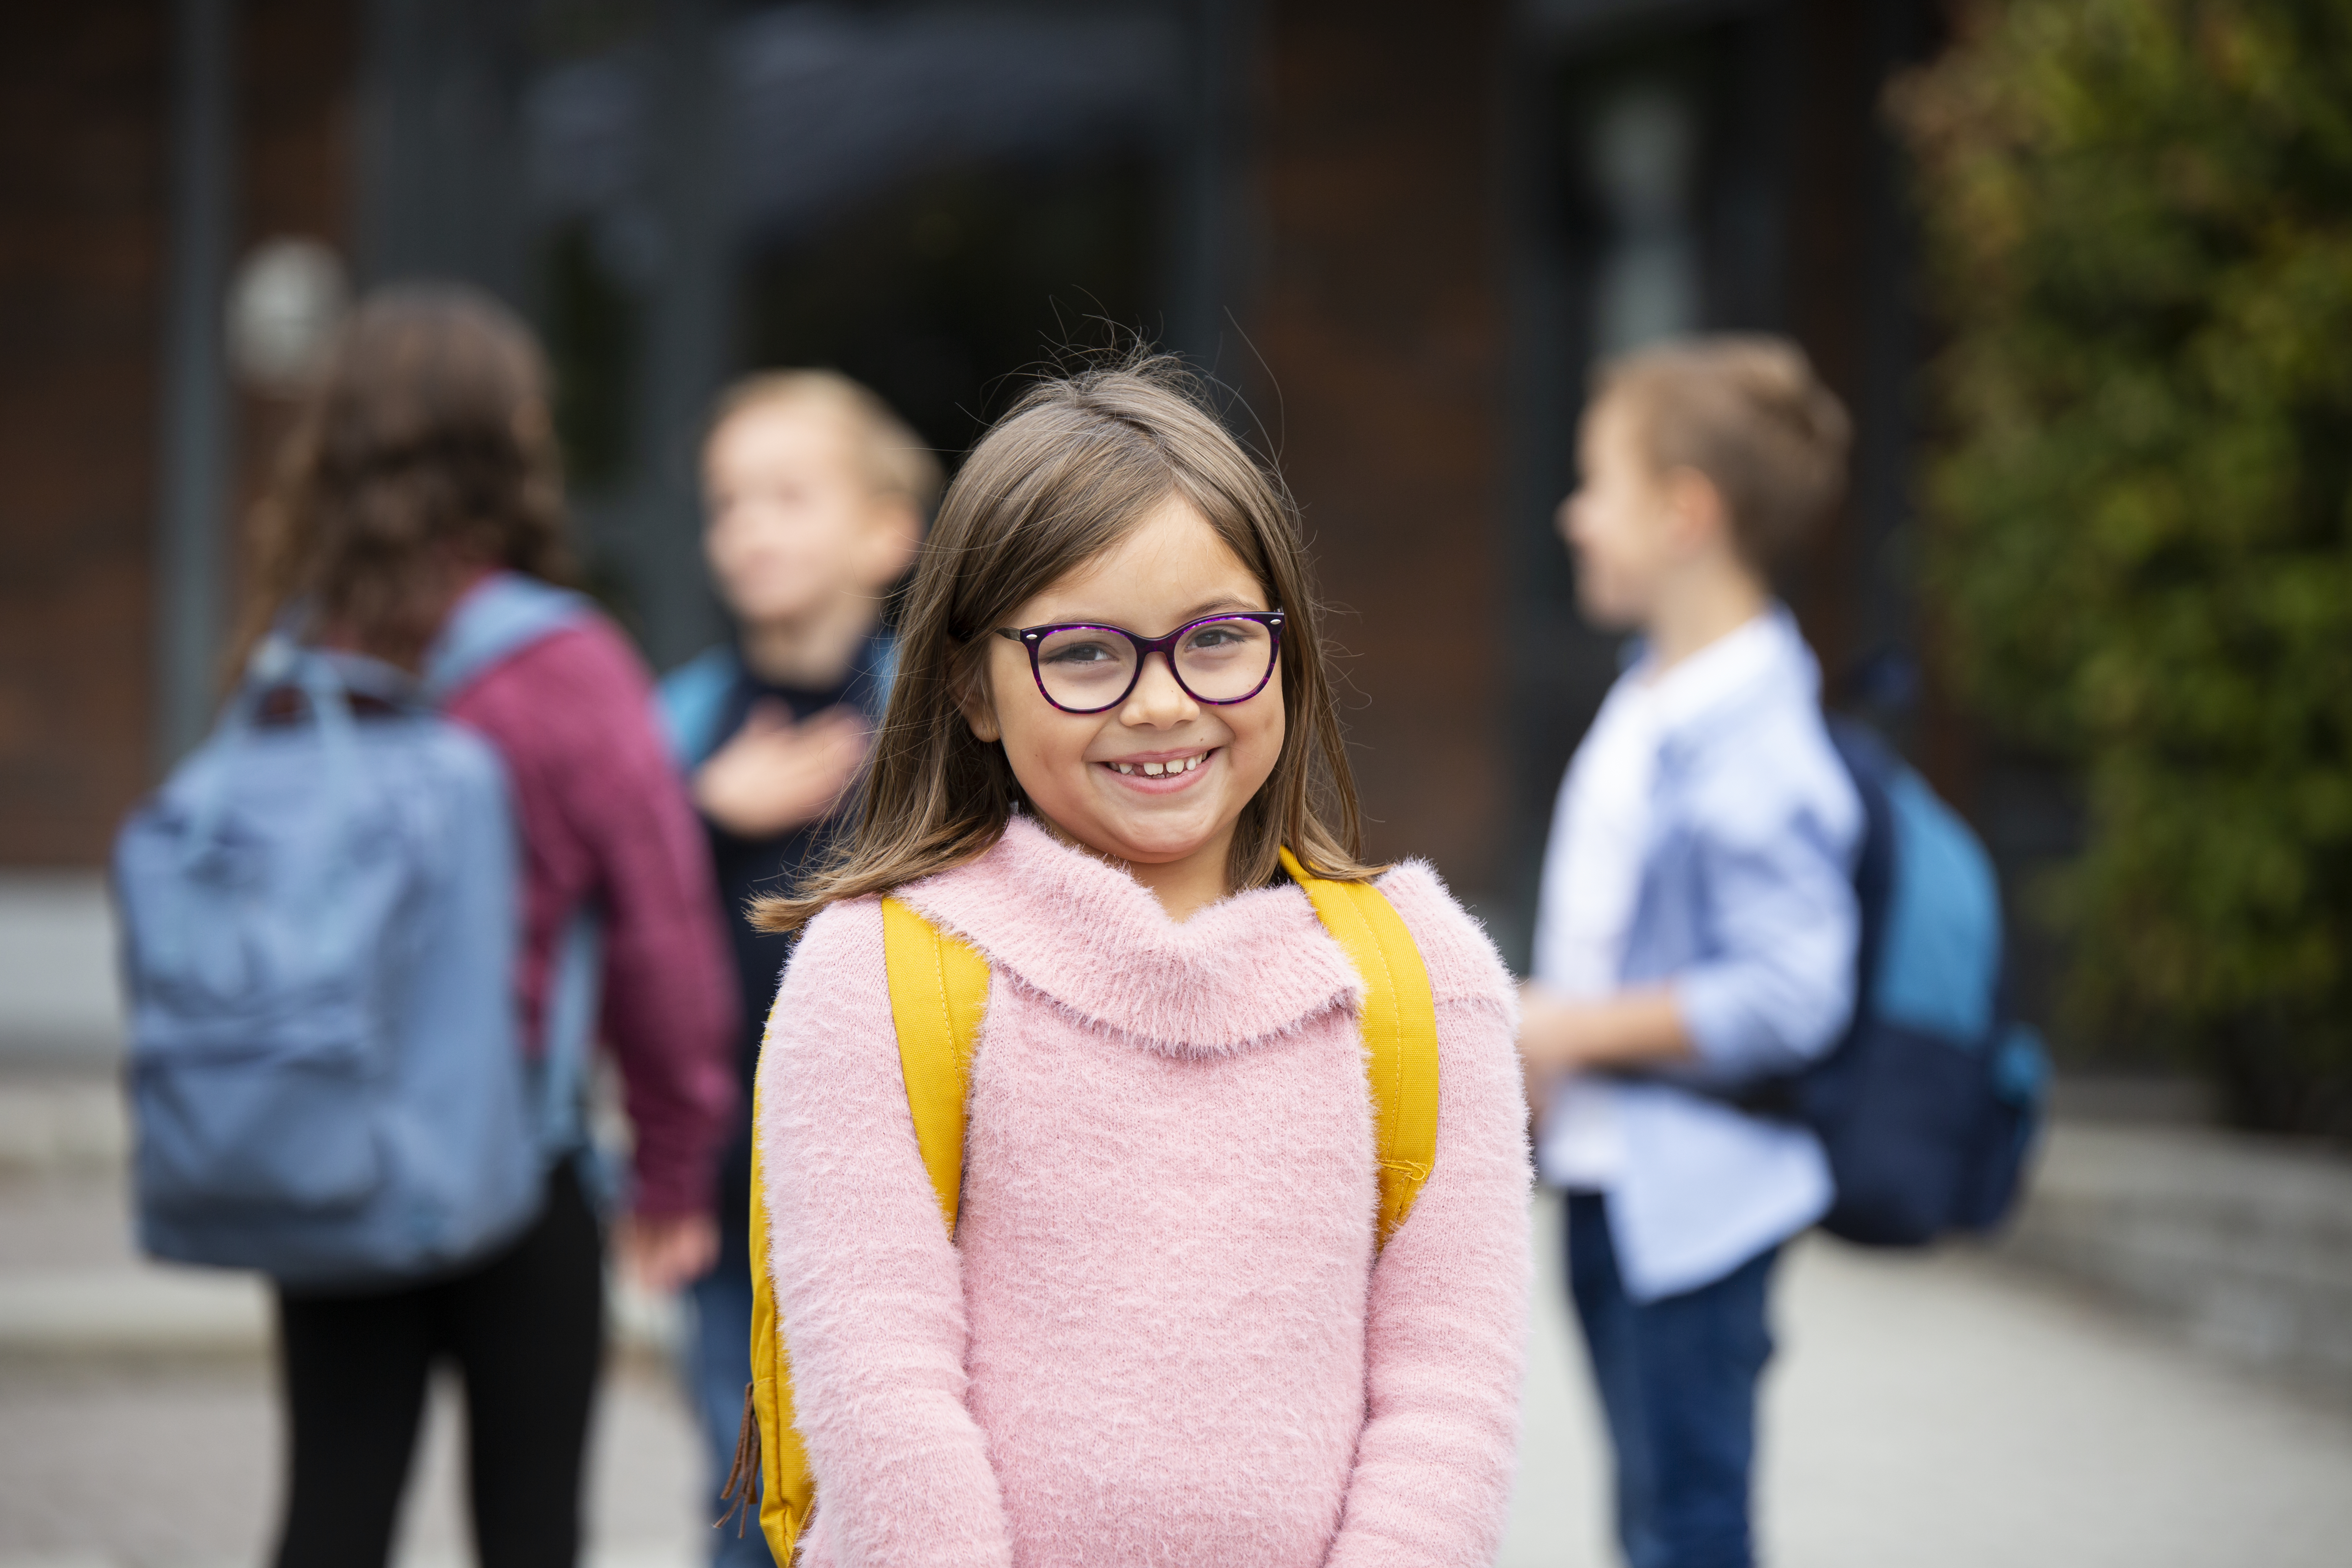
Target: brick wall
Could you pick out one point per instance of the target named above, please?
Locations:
(1378, 314)
(83, 203)
(84, 199)
(298, 66)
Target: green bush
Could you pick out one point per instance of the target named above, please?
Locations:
(2140, 224)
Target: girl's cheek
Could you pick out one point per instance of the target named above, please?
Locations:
(1264, 737)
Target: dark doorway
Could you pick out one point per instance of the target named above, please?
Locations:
(1653, 178)
(945, 295)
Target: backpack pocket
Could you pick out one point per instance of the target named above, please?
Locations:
(259, 949)
(286, 1132)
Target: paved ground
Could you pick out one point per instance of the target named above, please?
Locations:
(1924, 1413)
(138, 1426)
(1950, 1412)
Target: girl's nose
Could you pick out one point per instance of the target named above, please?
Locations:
(1158, 700)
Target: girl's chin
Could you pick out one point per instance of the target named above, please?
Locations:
(1143, 832)
(1157, 838)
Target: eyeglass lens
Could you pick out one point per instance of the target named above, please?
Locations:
(1089, 668)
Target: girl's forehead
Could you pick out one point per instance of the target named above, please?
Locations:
(1170, 566)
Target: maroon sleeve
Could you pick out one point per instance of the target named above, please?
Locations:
(604, 815)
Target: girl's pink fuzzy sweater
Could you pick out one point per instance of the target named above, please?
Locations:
(1160, 1334)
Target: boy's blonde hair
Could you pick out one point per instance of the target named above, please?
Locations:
(892, 457)
(1747, 412)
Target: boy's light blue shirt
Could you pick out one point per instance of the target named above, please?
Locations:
(1745, 908)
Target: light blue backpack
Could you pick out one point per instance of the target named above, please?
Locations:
(321, 920)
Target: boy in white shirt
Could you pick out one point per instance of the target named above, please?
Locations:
(1698, 923)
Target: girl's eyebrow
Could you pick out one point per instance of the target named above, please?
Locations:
(1184, 618)
(1211, 607)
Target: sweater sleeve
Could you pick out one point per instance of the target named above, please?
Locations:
(1445, 1334)
(869, 1284)
(669, 1009)
(605, 817)
(1777, 989)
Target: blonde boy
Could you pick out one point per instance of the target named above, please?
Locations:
(815, 496)
(1698, 921)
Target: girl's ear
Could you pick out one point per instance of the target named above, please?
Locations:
(979, 706)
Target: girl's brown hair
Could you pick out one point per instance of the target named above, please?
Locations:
(426, 452)
(1059, 480)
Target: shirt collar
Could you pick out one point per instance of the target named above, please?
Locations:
(1761, 657)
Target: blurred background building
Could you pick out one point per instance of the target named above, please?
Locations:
(1398, 237)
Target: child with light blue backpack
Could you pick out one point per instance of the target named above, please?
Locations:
(431, 858)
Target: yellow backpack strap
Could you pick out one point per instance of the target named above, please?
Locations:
(938, 992)
(768, 1446)
(1400, 1024)
(939, 989)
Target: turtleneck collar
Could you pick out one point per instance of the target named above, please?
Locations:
(1096, 940)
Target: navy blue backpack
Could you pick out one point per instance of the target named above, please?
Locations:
(1928, 1107)
(320, 913)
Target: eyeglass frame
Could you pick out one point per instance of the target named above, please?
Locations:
(1033, 637)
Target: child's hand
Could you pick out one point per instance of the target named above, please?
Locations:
(1557, 1035)
(668, 1252)
(775, 775)
(1547, 1034)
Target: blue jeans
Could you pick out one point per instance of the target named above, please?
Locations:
(719, 1368)
(1677, 1381)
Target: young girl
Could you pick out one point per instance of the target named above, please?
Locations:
(1164, 1331)
(423, 469)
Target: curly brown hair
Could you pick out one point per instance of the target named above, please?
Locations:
(426, 454)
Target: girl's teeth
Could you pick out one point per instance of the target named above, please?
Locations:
(1160, 770)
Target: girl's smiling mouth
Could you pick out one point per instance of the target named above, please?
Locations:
(1161, 769)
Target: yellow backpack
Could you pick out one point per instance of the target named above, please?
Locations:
(939, 990)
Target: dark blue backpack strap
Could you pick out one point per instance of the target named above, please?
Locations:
(1820, 1093)
(1873, 768)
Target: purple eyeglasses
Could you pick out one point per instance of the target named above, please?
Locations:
(1081, 667)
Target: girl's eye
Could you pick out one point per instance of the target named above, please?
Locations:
(1075, 654)
(1225, 637)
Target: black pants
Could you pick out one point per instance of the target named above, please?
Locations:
(526, 1330)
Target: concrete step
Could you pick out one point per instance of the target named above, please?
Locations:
(61, 1001)
(648, 1556)
(156, 1310)
(73, 1284)
(2243, 1242)
(62, 1124)
(147, 1310)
